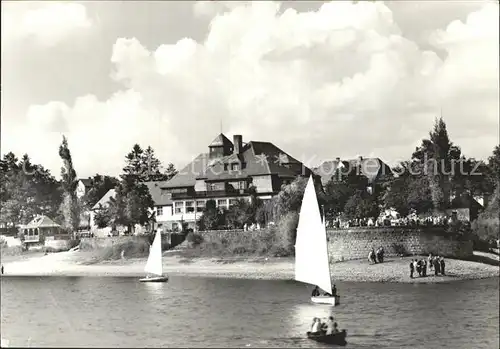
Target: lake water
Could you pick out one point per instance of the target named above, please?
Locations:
(210, 312)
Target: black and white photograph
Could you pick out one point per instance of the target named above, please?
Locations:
(250, 174)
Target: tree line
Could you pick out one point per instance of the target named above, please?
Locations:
(28, 189)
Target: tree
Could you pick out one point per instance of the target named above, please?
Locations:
(26, 189)
(170, 172)
(435, 157)
(341, 187)
(472, 177)
(100, 186)
(487, 226)
(145, 166)
(70, 207)
(396, 195)
(494, 166)
(211, 218)
(240, 214)
(361, 205)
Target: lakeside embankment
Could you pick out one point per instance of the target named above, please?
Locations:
(76, 263)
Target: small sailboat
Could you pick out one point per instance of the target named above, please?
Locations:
(312, 264)
(154, 264)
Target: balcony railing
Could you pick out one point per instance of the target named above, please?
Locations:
(31, 238)
(210, 193)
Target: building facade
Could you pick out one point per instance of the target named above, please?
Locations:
(226, 174)
(162, 209)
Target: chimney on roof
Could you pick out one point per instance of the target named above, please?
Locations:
(238, 144)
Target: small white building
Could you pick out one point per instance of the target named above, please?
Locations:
(83, 186)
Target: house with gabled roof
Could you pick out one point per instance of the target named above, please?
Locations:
(374, 169)
(226, 172)
(39, 228)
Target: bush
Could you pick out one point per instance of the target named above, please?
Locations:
(135, 248)
(194, 239)
(400, 250)
(486, 229)
(286, 232)
(276, 241)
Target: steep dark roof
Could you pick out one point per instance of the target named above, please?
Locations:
(87, 182)
(159, 197)
(465, 201)
(105, 199)
(259, 158)
(187, 176)
(220, 141)
(372, 168)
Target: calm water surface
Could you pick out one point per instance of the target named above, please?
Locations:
(209, 312)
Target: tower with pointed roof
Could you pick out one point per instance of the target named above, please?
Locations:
(221, 146)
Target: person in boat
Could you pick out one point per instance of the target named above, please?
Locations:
(329, 325)
(315, 292)
(335, 328)
(316, 326)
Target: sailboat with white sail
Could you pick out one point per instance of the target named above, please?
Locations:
(154, 265)
(312, 264)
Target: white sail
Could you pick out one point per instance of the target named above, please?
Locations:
(311, 251)
(154, 263)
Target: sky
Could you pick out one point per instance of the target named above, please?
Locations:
(319, 80)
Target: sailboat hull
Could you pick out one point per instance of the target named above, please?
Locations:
(155, 279)
(332, 339)
(326, 300)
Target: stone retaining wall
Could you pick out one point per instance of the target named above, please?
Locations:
(58, 244)
(356, 242)
(88, 244)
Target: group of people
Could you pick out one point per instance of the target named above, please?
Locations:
(327, 327)
(389, 219)
(317, 292)
(376, 257)
(433, 263)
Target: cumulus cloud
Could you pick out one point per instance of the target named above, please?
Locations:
(339, 81)
(48, 24)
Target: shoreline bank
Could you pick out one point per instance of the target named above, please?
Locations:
(75, 263)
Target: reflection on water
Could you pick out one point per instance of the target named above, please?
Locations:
(156, 290)
(122, 312)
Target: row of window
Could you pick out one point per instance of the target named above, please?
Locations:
(199, 206)
(220, 186)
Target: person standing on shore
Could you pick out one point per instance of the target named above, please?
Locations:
(412, 269)
(2, 269)
(424, 267)
(442, 265)
(436, 266)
